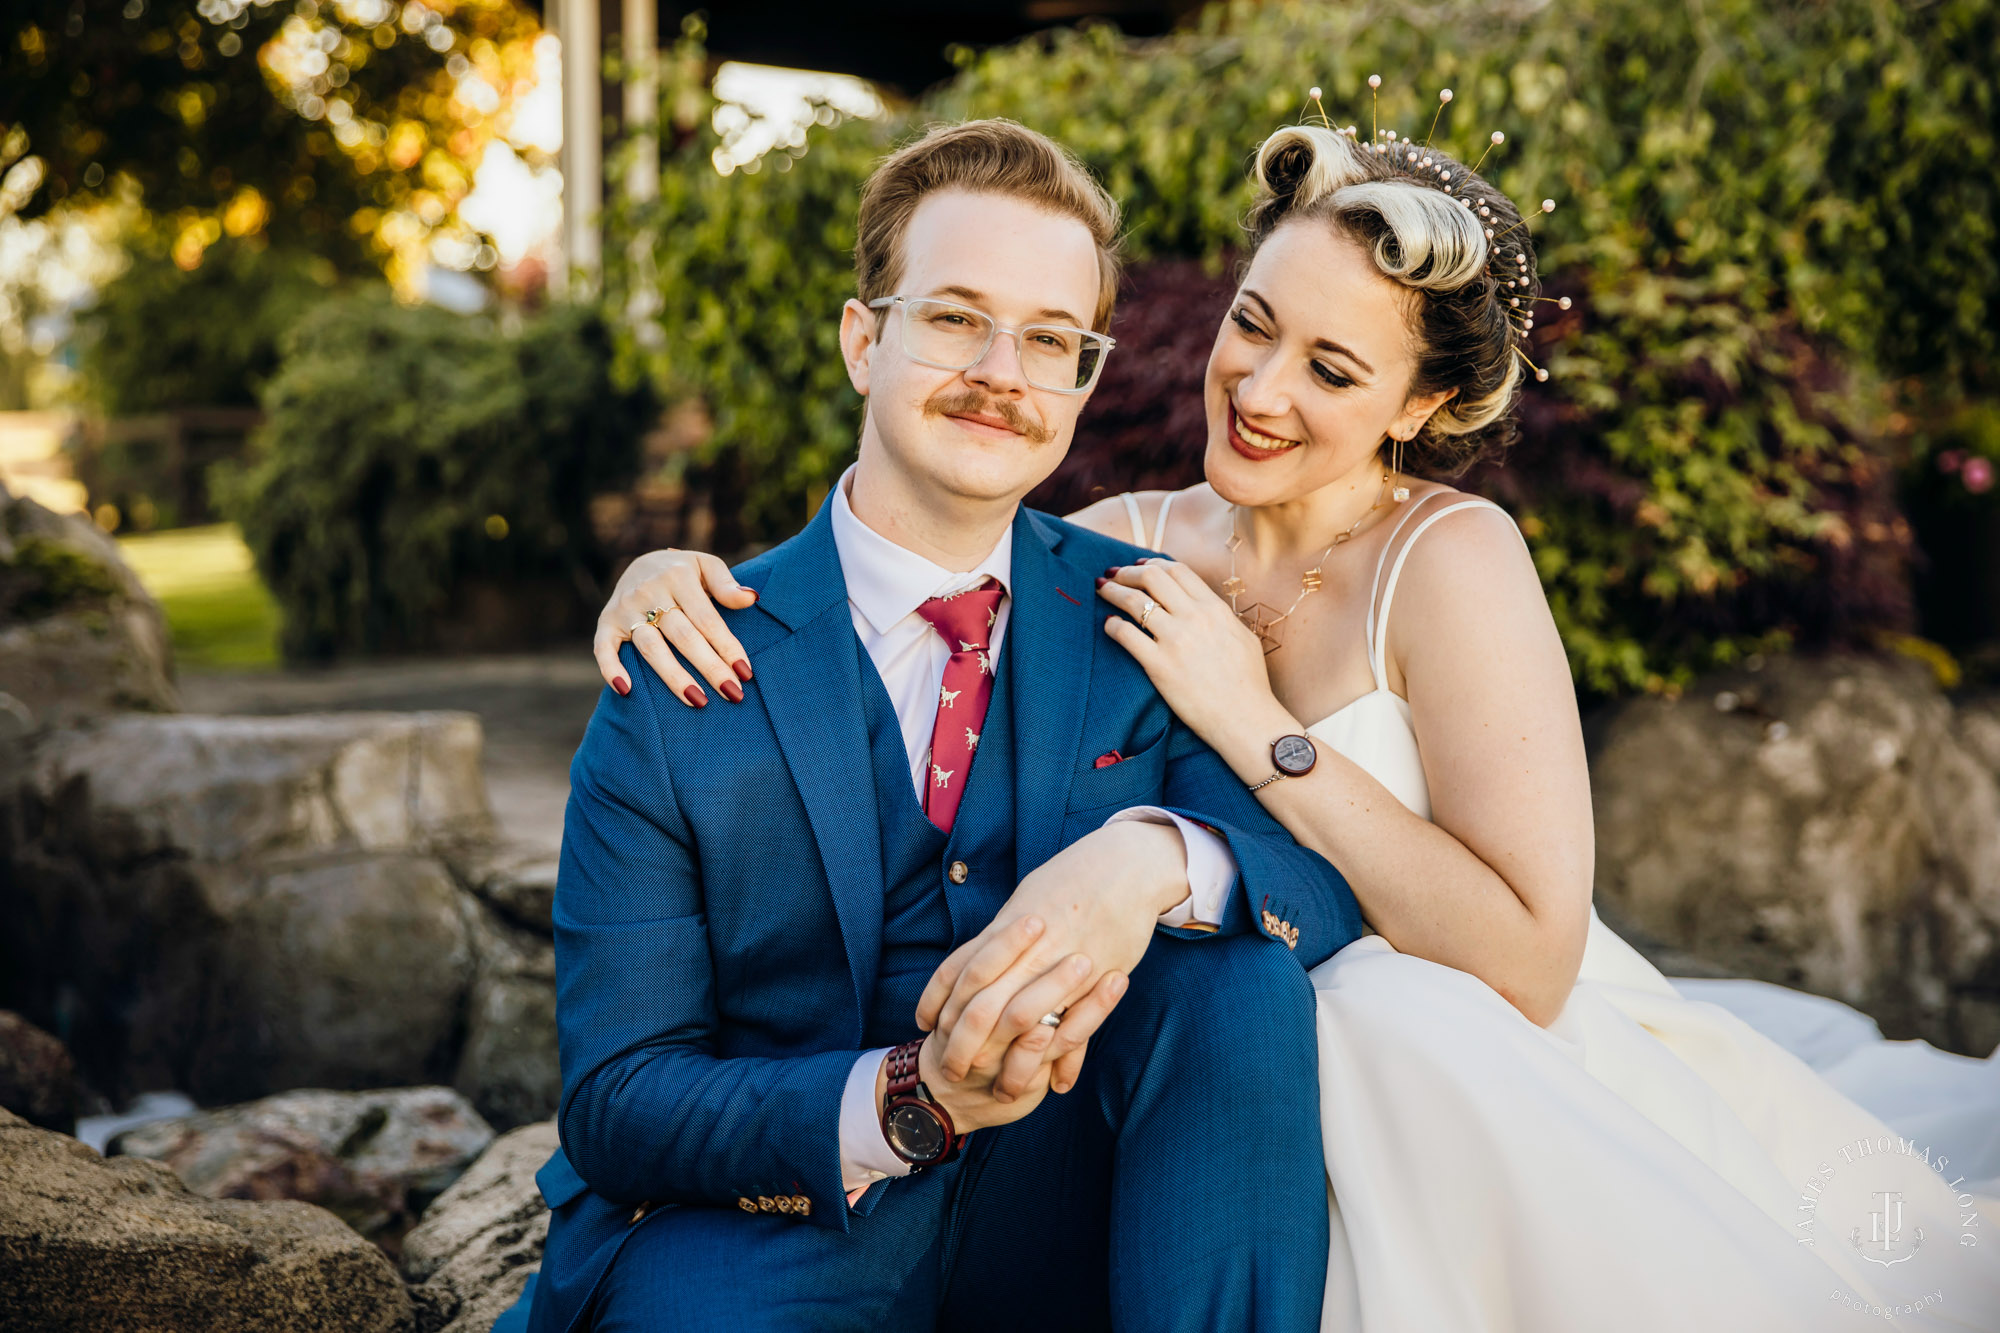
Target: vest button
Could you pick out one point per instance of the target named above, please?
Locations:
(958, 872)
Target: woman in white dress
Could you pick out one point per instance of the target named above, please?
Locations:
(1527, 1127)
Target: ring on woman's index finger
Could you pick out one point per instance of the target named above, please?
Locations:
(1147, 610)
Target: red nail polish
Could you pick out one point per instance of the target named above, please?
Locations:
(693, 694)
(742, 669)
(731, 691)
(1113, 571)
(622, 685)
(1101, 580)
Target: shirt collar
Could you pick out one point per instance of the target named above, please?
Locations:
(886, 582)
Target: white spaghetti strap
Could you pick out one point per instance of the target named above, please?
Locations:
(1375, 587)
(1132, 513)
(1379, 628)
(1160, 523)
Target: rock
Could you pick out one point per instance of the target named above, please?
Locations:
(124, 1247)
(223, 789)
(508, 1065)
(342, 973)
(472, 1253)
(374, 1159)
(37, 1077)
(78, 634)
(1824, 823)
(235, 906)
(519, 881)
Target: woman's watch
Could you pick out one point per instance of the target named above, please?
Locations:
(1292, 756)
(917, 1129)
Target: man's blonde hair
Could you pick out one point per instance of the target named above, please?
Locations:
(985, 157)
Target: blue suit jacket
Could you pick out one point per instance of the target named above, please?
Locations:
(718, 914)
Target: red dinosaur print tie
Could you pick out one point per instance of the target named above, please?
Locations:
(965, 621)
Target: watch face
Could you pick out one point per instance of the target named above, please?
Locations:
(915, 1134)
(1294, 755)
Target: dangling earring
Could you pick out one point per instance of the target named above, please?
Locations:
(1401, 492)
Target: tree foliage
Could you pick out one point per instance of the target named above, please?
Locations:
(1777, 221)
(347, 129)
(411, 457)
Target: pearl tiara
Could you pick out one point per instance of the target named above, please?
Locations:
(1507, 275)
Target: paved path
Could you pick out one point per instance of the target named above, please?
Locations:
(534, 708)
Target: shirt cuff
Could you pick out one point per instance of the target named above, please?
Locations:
(864, 1154)
(1211, 866)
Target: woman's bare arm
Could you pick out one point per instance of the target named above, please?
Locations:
(692, 582)
(1499, 884)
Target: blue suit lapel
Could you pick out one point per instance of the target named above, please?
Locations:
(1051, 626)
(810, 682)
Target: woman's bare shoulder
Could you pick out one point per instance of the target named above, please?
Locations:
(1110, 518)
(1469, 569)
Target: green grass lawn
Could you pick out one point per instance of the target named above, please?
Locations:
(218, 610)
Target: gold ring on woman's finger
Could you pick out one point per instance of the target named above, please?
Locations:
(1147, 610)
(653, 616)
(632, 630)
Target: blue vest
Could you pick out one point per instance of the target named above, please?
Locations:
(924, 914)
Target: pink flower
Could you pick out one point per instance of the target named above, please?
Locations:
(1950, 460)
(1977, 475)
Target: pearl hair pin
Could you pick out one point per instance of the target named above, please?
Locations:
(1406, 153)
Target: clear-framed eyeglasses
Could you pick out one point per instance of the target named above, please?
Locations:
(950, 336)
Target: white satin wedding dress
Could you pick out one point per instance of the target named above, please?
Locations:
(1651, 1161)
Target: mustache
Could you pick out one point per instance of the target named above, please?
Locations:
(971, 402)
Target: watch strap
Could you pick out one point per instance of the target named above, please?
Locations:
(906, 1088)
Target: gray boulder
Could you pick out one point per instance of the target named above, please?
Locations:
(1831, 824)
(234, 906)
(90, 1246)
(471, 1255)
(78, 634)
(508, 1064)
(374, 1159)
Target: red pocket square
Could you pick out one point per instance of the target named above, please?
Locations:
(1107, 759)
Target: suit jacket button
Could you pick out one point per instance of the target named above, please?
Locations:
(801, 1205)
(747, 1205)
(766, 1205)
(958, 872)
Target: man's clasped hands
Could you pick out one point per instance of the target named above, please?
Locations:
(1064, 944)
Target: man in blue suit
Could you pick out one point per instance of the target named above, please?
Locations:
(822, 952)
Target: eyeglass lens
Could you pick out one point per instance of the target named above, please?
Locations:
(954, 337)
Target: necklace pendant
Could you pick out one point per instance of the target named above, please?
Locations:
(1261, 621)
(1232, 588)
(1309, 581)
(1400, 494)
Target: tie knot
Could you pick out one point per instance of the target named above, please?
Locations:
(965, 619)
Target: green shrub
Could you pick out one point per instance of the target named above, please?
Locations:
(423, 479)
(1765, 212)
(157, 337)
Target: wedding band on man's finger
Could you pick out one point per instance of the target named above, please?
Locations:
(1052, 1019)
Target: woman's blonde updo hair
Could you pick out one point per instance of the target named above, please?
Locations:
(1423, 238)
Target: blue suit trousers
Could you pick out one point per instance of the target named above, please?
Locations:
(1179, 1183)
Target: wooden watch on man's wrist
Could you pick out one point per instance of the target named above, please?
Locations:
(917, 1129)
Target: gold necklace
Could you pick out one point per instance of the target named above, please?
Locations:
(1257, 617)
